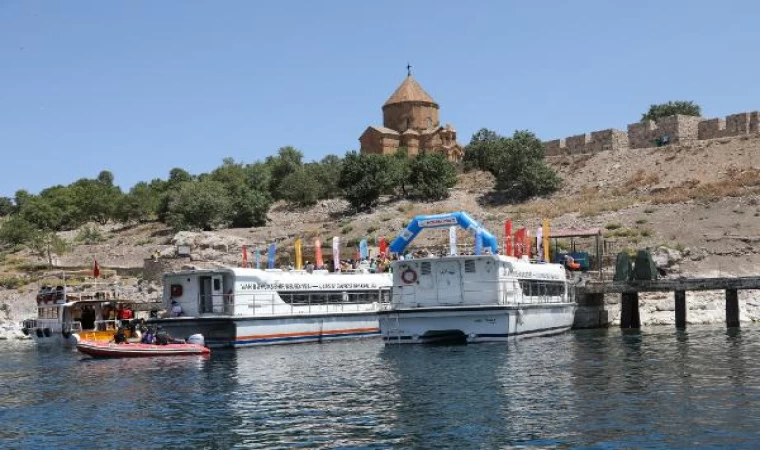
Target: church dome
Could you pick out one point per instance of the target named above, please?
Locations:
(410, 91)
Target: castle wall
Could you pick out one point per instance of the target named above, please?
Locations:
(672, 130)
(593, 142)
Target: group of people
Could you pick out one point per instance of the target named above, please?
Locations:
(140, 332)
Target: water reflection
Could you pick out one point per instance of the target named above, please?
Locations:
(656, 387)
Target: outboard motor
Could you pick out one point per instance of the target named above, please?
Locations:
(196, 339)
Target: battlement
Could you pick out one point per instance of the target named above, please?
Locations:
(676, 129)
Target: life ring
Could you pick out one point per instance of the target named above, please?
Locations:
(409, 276)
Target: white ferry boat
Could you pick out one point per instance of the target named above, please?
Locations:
(237, 307)
(472, 298)
(65, 317)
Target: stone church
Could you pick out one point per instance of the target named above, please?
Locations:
(410, 119)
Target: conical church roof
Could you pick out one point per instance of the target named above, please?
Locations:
(410, 91)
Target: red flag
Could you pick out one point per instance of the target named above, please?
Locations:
(245, 257)
(95, 269)
(383, 246)
(508, 237)
(318, 253)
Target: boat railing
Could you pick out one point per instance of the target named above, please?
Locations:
(104, 325)
(485, 292)
(295, 303)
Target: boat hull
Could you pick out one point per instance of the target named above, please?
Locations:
(111, 350)
(273, 330)
(474, 324)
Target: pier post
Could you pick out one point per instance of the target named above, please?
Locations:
(680, 309)
(629, 311)
(732, 308)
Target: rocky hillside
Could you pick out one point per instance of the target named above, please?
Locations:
(700, 201)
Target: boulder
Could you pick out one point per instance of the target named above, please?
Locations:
(666, 258)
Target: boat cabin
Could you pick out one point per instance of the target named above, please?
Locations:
(247, 292)
(476, 280)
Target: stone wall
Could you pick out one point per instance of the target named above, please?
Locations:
(676, 129)
(593, 142)
(733, 125)
(673, 129)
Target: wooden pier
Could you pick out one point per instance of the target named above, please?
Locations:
(629, 311)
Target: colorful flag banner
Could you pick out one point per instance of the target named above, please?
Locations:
(363, 249)
(318, 253)
(452, 240)
(336, 252)
(271, 255)
(299, 255)
(383, 246)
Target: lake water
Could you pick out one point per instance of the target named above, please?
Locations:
(658, 388)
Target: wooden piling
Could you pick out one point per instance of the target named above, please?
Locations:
(680, 297)
(732, 308)
(629, 310)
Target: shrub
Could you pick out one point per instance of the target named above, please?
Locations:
(686, 108)
(89, 235)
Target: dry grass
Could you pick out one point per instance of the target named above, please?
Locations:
(588, 203)
(638, 181)
(736, 183)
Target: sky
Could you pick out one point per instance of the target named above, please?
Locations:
(140, 87)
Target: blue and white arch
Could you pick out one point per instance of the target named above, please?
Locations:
(461, 218)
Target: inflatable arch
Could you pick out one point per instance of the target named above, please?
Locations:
(460, 218)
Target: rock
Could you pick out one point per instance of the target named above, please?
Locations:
(665, 257)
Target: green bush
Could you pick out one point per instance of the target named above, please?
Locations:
(89, 235)
(671, 108)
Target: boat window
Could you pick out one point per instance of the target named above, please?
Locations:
(324, 297)
(540, 288)
(217, 284)
(425, 268)
(469, 266)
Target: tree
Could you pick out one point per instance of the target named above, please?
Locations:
(327, 173)
(250, 208)
(432, 175)
(520, 170)
(15, 231)
(105, 177)
(482, 151)
(686, 108)
(398, 172)
(287, 161)
(20, 197)
(45, 244)
(363, 179)
(203, 204)
(6, 206)
(302, 186)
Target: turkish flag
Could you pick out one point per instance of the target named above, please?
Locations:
(383, 246)
(95, 269)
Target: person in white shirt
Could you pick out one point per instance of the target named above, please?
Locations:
(175, 310)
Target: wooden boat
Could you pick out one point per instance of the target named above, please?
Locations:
(109, 349)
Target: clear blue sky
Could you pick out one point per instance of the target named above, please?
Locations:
(140, 87)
